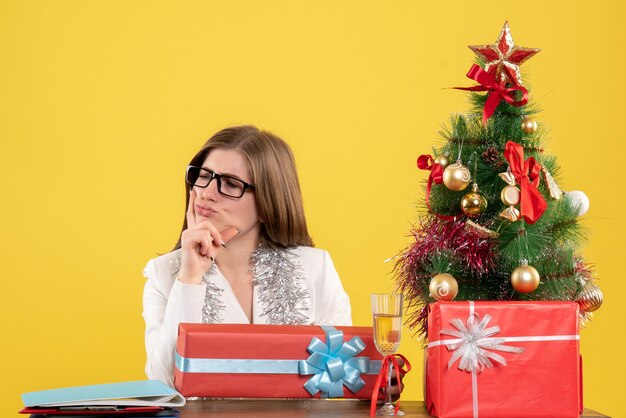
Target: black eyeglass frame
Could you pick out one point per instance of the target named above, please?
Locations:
(218, 177)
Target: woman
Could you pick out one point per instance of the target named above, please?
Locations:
(244, 254)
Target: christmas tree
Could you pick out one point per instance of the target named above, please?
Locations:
(496, 225)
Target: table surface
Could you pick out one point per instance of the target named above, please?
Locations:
(302, 408)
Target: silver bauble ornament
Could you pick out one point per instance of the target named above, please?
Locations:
(590, 297)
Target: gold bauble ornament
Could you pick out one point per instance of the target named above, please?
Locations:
(456, 177)
(590, 298)
(525, 278)
(473, 204)
(442, 160)
(529, 125)
(443, 286)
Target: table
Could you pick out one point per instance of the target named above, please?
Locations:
(303, 408)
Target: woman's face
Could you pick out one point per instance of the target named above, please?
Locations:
(223, 211)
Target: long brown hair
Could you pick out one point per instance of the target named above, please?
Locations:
(276, 187)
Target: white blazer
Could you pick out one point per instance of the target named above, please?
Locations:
(168, 302)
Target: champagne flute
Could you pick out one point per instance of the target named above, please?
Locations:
(387, 312)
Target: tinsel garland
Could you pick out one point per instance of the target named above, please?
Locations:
(476, 252)
(278, 279)
(213, 304)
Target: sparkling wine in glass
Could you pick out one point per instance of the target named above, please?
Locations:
(387, 312)
(387, 329)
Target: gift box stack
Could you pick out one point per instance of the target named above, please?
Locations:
(270, 361)
(495, 281)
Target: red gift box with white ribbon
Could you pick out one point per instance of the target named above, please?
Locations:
(503, 360)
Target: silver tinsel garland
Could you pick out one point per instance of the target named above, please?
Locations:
(213, 305)
(278, 280)
(279, 287)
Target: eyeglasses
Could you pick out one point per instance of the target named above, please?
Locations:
(226, 185)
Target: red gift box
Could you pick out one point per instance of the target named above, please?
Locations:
(275, 361)
(503, 359)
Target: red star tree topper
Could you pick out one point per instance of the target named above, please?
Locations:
(503, 58)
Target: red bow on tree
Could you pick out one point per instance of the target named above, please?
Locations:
(532, 203)
(497, 91)
(426, 162)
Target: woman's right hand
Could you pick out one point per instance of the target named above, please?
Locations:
(200, 243)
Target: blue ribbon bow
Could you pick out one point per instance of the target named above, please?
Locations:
(334, 365)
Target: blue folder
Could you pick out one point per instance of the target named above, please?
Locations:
(138, 393)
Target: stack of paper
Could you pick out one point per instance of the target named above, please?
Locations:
(143, 398)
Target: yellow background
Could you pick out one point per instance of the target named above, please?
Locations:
(104, 102)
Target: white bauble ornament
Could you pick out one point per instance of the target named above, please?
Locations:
(579, 200)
